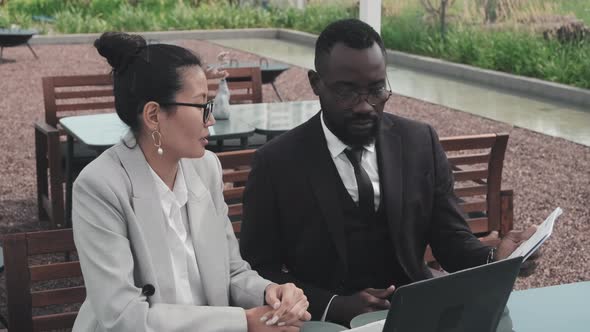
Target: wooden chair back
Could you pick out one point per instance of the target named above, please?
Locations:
(21, 275)
(477, 162)
(67, 94)
(62, 96)
(245, 85)
(236, 167)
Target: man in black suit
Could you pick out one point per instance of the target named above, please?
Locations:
(345, 204)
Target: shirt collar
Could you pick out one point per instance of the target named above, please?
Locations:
(178, 196)
(335, 145)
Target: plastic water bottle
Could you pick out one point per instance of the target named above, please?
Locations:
(221, 101)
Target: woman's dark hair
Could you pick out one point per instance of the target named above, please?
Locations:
(142, 72)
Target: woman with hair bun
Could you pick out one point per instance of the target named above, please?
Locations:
(150, 223)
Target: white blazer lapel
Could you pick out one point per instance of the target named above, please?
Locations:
(149, 218)
(208, 235)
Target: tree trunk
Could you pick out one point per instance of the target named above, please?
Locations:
(443, 15)
(491, 11)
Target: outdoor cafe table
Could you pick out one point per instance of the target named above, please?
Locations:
(16, 37)
(562, 308)
(272, 119)
(101, 131)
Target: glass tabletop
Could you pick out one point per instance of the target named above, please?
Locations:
(264, 65)
(505, 324)
(95, 130)
(368, 318)
(275, 118)
(227, 129)
(315, 326)
(101, 131)
(17, 32)
(560, 308)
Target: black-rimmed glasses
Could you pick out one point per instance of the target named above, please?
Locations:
(207, 108)
(350, 97)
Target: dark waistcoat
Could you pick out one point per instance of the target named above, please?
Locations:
(371, 257)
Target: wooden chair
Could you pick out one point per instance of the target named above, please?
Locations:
(477, 162)
(236, 167)
(478, 180)
(20, 276)
(64, 95)
(67, 95)
(245, 85)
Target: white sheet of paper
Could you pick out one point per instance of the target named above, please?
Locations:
(371, 327)
(541, 235)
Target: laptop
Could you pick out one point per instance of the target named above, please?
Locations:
(465, 301)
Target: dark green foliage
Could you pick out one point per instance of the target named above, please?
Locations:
(508, 51)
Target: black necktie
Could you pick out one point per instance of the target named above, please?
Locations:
(365, 187)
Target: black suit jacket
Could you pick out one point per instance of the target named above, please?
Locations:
(292, 229)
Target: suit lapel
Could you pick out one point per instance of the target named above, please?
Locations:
(208, 236)
(390, 160)
(150, 217)
(323, 177)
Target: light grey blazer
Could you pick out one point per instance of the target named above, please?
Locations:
(119, 229)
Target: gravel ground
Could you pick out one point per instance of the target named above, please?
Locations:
(543, 171)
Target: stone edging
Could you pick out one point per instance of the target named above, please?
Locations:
(520, 84)
(88, 38)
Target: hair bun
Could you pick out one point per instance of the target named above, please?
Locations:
(119, 47)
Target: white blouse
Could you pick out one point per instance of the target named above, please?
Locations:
(187, 280)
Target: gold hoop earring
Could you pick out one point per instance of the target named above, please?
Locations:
(157, 137)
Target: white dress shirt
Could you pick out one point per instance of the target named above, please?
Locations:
(345, 168)
(346, 172)
(187, 280)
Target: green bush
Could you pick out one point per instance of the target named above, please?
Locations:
(316, 18)
(22, 20)
(76, 21)
(129, 18)
(569, 64)
(513, 52)
(521, 54)
(39, 7)
(4, 21)
(106, 6)
(508, 51)
(404, 34)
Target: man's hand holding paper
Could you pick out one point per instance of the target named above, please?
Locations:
(525, 243)
(534, 241)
